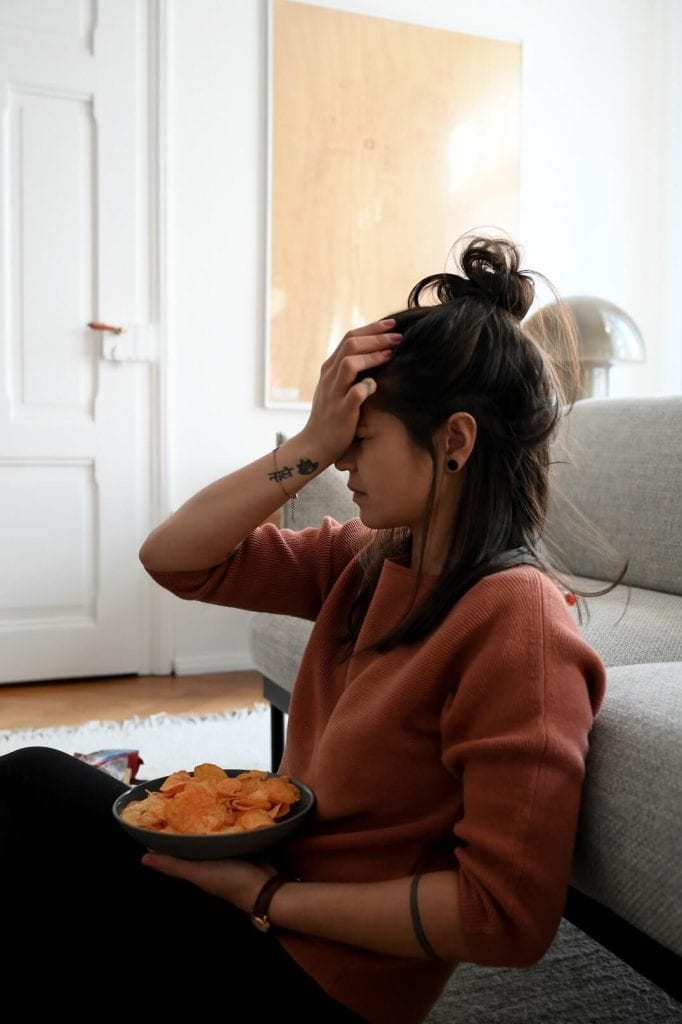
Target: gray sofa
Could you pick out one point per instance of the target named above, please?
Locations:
(618, 470)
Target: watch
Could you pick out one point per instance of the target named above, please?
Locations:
(259, 914)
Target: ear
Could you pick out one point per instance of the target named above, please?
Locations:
(459, 436)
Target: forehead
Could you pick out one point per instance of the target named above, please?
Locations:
(372, 417)
(368, 414)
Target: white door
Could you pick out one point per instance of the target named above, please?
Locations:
(73, 400)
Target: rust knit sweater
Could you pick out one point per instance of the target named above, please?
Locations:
(463, 751)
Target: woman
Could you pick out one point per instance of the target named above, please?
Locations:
(443, 706)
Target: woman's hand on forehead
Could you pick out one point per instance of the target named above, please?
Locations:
(339, 395)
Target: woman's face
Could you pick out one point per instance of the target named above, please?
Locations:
(389, 474)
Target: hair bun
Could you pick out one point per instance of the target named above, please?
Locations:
(492, 267)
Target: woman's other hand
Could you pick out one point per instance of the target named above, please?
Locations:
(237, 881)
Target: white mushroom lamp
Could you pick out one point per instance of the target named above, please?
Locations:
(606, 335)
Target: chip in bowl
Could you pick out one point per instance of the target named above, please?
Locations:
(214, 812)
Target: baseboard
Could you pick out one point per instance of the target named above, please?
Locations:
(198, 664)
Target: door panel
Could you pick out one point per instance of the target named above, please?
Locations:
(63, 592)
(63, 23)
(50, 191)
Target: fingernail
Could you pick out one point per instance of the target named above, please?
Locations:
(387, 323)
(149, 860)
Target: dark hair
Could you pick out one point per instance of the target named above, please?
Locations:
(468, 352)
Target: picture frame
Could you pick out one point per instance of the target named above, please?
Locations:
(387, 141)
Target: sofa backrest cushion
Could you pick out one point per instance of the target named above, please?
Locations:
(617, 485)
(618, 471)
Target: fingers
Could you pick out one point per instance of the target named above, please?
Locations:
(357, 353)
(234, 880)
(208, 875)
(170, 865)
(350, 366)
(364, 340)
(361, 391)
(378, 327)
(365, 348)
(355, 344)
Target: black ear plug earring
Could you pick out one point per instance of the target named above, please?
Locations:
(452, 465)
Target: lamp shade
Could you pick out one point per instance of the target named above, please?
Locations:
(606, 335)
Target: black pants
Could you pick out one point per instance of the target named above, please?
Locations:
(85, 928)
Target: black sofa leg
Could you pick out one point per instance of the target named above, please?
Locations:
(276, 737)
(646, 956)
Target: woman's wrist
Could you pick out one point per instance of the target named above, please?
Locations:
(307, 444)
(299, 460)
(260, 912)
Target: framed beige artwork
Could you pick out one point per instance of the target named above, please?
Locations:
(387, 142)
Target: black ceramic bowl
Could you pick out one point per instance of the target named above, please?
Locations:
(209, 846)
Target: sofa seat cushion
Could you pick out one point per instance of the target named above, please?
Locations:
(631, 625)
(277, 643)
(629, 845)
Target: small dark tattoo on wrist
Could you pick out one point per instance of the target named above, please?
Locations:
(285, 473)
(306, 467)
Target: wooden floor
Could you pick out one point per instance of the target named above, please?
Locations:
(71, 701)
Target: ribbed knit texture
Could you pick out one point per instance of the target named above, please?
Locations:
(463, 751)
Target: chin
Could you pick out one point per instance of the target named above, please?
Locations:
(376, 522)
(368, 520)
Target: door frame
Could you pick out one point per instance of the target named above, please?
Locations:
(157, 635)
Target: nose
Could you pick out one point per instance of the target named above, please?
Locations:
(347, 461)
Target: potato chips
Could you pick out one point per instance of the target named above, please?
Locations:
(210, 801)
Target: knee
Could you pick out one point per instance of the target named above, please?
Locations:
(29, 760)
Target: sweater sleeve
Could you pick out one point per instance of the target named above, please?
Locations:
(287, 572)
(515, 734)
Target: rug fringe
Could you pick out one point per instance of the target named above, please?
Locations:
(156, 721)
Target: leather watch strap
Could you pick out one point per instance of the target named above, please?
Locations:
(259, 914)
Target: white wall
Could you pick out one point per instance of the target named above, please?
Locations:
(600, 211)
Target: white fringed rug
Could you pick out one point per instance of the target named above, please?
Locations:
(166, 743)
